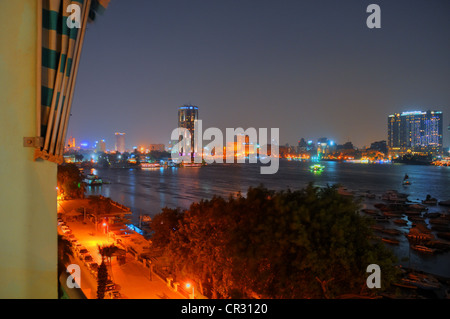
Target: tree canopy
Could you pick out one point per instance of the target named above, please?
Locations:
(70, 181)
(310, 243)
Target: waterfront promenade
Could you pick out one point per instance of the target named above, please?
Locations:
(133, 280)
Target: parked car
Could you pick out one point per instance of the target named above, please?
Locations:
(66, 231)
(110, 285)
(87, 258)
(113, 294)
(92, 265)
(83, 251)
(93, 268)
(76, 247)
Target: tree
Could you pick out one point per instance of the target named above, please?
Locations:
(102, 279)
(107, 252)
(311, 243)
(163, 224)
(70, 181)
(64, 253)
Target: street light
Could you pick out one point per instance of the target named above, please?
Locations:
(105, 224)
(188, 285)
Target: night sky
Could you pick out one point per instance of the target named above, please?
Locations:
(311, 68)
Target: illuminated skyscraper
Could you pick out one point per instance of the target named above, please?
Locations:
(187, 114)
(120, 142)
(100, 146)
(416, 132)
(71, 142)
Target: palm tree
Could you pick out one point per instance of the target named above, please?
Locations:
(64, 254)
(102, 279)
(107, 252)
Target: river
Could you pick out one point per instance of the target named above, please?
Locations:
(148, 191)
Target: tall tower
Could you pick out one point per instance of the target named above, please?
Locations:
(187, 114)
(120, 142)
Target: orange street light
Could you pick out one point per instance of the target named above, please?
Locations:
(188, 285)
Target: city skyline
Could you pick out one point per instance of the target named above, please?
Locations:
(312, 70)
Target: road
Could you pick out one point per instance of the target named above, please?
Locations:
(132, 279)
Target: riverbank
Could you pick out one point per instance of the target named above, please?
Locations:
(132, 278)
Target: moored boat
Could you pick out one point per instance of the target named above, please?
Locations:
(444, 202)
(400, 222)
(423, 249)
(391, 231)
(317, 168)
(390, 241)
(150, 165)
(93, 180)
(192, 165)
(430, 200)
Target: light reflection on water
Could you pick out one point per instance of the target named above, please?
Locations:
(148, 191)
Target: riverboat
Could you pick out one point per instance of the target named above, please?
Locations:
(150, 165)
(423, 249)
(93, 180)
(317, 168)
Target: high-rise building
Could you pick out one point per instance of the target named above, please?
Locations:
(71, 142)
(415, 132)
(187, 114)
(120, 142)
(100, 146)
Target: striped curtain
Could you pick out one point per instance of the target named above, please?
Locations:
(61, 51)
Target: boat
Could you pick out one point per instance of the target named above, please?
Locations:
(412, 213)
(406, 181)
(192, 165)
(444, 202)
(344, 191)
(417, 207)
(150, 165)
(370, 195)
(443, 235)
(390, 240)
(423, 249)
(381, 219)
(317, 168)
(93, 180)
(369, 211)
(430, 200)
(400, 221)
(391, 231)
(421, 282)
(392, 214)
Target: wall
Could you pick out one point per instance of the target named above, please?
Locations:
(28, 234)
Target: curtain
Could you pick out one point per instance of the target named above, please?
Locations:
(60, 55)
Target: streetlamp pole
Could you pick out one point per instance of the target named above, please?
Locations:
(188, 285)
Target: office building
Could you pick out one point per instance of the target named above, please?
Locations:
(100, 146)
(187, 114)
(120, 142)
(415, 132)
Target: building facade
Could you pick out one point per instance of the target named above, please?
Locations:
(120, 142)
(416, 132)
(187, 114)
